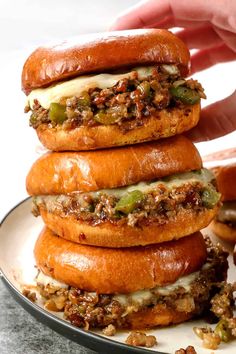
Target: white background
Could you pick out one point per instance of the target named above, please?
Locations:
(26, 24)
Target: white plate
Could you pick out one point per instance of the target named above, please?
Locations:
(18, 234)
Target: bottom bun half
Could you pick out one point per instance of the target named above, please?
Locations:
(159, 315)
(168, 123)
(107, 234)
(224, 231)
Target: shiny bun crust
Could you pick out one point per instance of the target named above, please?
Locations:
(226, 181)
(103, 52)
(224, 231)
(108, 234)
(109, 271)
(65, 172)
(103, 136)
(223, 164)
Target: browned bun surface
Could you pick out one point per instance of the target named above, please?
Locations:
(107, 234)
(225, 173)
(159, 315)
(65, 172)
(226, 181)
(168, 123)
(103, 52)
(224, 231)
(109, 271)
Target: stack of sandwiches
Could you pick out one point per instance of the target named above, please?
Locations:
(123, 194)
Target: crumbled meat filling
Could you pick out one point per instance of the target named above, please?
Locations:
(128, 104)
(188, 350)
(31, 295)
(222, 303)
(141, 339)
(89, 310)
(159, 205)
(110, 330)
(210, 340)
(227, 213)
(222, 306)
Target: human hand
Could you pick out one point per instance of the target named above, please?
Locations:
(208, 26)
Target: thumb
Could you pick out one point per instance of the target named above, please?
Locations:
(216, 120)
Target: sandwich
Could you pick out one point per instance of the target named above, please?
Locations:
(127, 196)
(223, 165)
(135, 287)
(111, 89)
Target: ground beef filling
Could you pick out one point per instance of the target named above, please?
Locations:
(141, 339)
(128, 104)
(227, 213)
(159, 205)
(88, 310)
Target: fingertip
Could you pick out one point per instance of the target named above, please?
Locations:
(197, 135)
(125, 23)
(117, 25)
(127, 19)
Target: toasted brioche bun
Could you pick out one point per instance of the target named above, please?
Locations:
(109, 271)
(66, 172)
(224, 231)
(103, 52)
(226, 181)
(159, 315)
(223, 164)
(168, 123)
(107, 234)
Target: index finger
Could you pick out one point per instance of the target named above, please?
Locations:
(153, 12)
(143, 15)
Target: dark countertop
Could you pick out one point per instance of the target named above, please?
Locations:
(20, 333)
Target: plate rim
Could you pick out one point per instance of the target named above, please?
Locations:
(92, 340)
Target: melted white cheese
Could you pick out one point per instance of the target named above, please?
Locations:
(138, 297)
(142, 296)
(203, 176)
(46, 280)
(75, 87)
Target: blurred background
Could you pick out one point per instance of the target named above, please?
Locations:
(26, 24)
